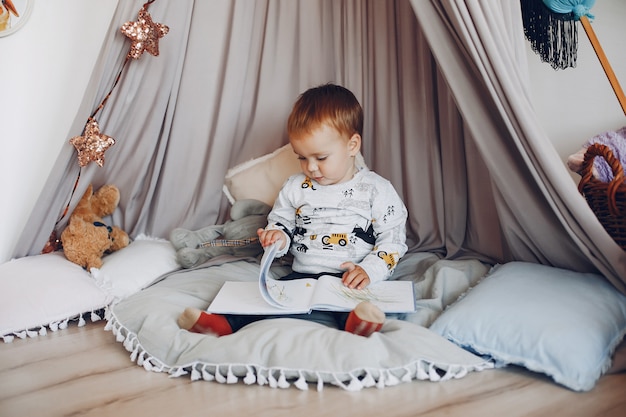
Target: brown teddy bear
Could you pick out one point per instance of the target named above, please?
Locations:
(87, 238)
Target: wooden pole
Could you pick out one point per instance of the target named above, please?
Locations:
(619, 93)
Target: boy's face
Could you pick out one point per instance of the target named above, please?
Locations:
(326, 156)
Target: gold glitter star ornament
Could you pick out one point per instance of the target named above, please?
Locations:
(92, 144)
(144, 34)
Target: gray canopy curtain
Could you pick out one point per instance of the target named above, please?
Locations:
(449, 121)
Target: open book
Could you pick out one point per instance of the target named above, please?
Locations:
(271, 296)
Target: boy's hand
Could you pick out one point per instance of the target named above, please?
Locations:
(355, 276)
(267, 237)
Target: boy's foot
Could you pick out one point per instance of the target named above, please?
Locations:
(365, 319)
(198, 321)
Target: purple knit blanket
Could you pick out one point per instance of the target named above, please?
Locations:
(617, 142)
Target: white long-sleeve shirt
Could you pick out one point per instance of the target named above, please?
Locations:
(362, 221)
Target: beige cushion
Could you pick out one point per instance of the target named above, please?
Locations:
(261, 178)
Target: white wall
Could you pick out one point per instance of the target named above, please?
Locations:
(578, 103)
(44, 69)
(45, 66)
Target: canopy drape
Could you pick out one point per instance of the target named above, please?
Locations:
(448, 120)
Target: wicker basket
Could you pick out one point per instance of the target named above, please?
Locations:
(606, 199)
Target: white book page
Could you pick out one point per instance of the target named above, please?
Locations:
(332, 294)
(292, 294)
(244, 298)
(389, 296)
(239, 298)
(266, 262)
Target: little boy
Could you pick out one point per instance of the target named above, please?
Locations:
(335, 217)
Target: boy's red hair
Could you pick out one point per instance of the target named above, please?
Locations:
(328, 104)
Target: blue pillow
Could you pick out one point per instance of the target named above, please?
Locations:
(561, 323)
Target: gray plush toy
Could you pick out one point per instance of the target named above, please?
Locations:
(236, 236)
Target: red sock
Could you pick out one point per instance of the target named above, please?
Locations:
(365, 319)
(211, 323)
